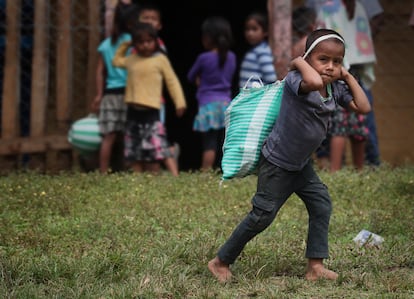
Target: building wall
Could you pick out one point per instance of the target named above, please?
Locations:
(393, 96)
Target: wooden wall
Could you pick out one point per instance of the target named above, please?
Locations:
(393, 95)
(55, 96)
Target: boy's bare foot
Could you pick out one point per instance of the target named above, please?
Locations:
(220, 270)
(320, 272)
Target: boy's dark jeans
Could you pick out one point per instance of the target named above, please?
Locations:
(274, 186)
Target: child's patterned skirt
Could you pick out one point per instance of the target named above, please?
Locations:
(350, 124)
(145, 136)
(210, 116)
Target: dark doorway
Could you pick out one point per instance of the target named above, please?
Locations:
(181, 32)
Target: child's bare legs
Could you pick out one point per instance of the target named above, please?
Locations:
(105, 152)
(172, 149)
(137, 167)
(171, 165)
(323, 163)
(358, 153)
(337, 149)
(210, 142)
(316, 270)
(209, 157)
(153, 167)
(219, 269)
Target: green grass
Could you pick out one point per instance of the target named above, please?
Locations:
(78, 235)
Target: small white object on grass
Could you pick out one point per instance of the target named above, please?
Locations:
(365, 237)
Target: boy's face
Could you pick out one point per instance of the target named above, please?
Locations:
(327, 58)
(152, 17)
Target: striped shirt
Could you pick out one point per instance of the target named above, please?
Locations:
(257, 61)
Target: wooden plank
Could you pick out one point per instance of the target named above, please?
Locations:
(64, 66)
(40, 64)
(280, 34)
(11, 81)
(93, 43)
(27, 145)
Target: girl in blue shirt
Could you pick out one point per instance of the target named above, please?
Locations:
(110, 85)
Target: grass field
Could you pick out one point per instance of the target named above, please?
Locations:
(78, 235)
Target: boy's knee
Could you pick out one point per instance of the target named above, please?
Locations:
(325, 203)
(262, 214)
(260, 219)
(324, 209)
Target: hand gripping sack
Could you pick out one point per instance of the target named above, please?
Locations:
(84, 135)
(248, 121)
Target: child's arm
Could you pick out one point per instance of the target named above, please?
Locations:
(174, 87)
(360, 103)
(120, 55)
(99, 80)
(311, 80)
(193, 74)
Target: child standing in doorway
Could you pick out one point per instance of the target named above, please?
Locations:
(311, 92)
(110, 84)
(146, 143)
(258, 61)
(213, 73)
(151, 14)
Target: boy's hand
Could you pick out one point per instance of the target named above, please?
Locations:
(293, 63)
(344, 74)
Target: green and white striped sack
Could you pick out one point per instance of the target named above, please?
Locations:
(248, 121)
(84, 135)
